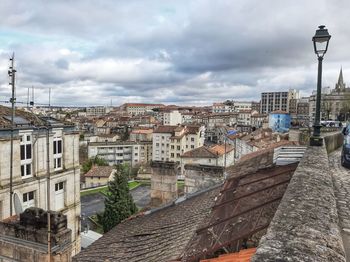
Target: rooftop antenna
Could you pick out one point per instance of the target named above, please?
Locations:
(32, 102)
(12, 75)
(28, 98)
(49, 97)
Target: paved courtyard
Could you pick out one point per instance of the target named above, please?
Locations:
(341, 182)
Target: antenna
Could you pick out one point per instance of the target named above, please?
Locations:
(50, 97)
(28, 98)
(32, 102)
(12, 75)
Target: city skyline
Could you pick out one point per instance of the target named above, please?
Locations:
(173, 53)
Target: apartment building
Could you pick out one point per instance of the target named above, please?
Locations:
(273, 101)
(139, 108)
(172, 118)
(133, 153)
(244, 117)
(33, 137)
(222, 108)
(97, 110)
(170, 142)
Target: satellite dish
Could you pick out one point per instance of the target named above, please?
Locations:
(17, 204)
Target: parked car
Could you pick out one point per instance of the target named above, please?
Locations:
(345, 152)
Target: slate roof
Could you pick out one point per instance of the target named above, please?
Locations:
(24, 119)
(5, 113)
(161, 235)
(246, 205)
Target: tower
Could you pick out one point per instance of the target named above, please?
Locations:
(340, 86)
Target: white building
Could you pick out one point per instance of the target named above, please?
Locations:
(30, 161)
(139, 108)
(133, 153)
(172, 118)
(242, 105)
(97, 110)
(222, 108)
(170, 142)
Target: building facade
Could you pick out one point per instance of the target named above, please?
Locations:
(132, 153)
(97, 111)
(139, 108)
(335, 104)
(170, 142)
(35, 138)
(273, 101)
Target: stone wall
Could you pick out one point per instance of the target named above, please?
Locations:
(305, 226)
(163, 182)
(333, 141)
(25, 238)
(198, 177)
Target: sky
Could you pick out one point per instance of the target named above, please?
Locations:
(172, 52)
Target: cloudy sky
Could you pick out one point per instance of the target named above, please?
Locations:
(174, 52)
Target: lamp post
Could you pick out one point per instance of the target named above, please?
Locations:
(320, 40)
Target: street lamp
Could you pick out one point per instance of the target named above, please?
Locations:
(320, 40)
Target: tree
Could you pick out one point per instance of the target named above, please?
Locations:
(93, 161)
(119, 203)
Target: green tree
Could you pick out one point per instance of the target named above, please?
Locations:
(94, 160)
(119, 203)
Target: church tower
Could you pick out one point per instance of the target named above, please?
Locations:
(340, 86)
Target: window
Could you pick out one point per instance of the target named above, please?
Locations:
(28, 200)
(26, 155)
(157, 144)
(172, 147)
(57, 153)
(192, 139)
(178, 147)
(192, 146)
(59, 196)
(172, 154)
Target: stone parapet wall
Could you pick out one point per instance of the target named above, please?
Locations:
(305, 226)
(333, 141)
(198, 177)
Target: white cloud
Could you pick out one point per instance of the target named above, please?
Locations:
(193, 52)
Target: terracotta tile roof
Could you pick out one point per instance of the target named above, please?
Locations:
(200, 152)
(193, 129)
(165, 129)
(243, 255)
(220, 149)
(161, 235)
(142, 131)
(99, 171)
(208, 152)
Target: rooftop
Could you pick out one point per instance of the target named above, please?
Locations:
(99, 171)
(161, 235)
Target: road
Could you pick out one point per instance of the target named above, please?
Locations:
(341, 182)
(92, 204)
